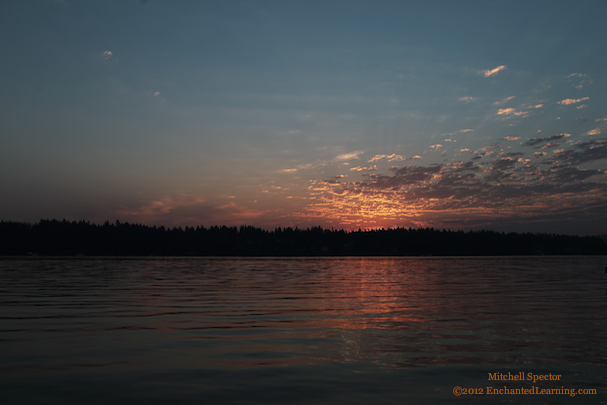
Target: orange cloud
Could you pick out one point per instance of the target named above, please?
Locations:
(568, 101)
(492, 72)
(595, 131)
(391, 158)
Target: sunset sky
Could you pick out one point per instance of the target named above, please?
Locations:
(346, 114)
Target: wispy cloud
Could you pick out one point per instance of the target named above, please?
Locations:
(511, 111)
(467, 99)
(509, 138)
(461, 131)
(106, 54)
(568, 101)
(366, 168)
(492, 72)
(349, 156)
(537, 141)
(504, 100)
(584, 84)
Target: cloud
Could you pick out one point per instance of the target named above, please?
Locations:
(509, 138)
(504, 100)
(467, 99)
(106, 54)
(157, 93)
(416, 157)
(584, 84)
(182, 209)
(509, 154)
(492, 72)
(367, 168)
(568, 101)
(461, 131)
(537, 141)
(391, 158)
(551, 145)
(595, 131)
(505, 162)
(438, 145)
(460, 191)
(511, 111)
(538, 155)
(584, 152)
(349, 156)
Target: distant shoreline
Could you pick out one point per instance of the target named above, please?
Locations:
(52, 238)
(38, 257)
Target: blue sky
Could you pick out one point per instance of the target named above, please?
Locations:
(477, 114)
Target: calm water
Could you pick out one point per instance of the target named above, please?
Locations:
(299, 330)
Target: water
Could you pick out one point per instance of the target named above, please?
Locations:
(299, 330)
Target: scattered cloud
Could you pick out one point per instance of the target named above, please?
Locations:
(106, 54)
(568, 101)
(509, 138)
(509, 187)
(467, 99)
(156, 94)
(492, 72)
(438, 145)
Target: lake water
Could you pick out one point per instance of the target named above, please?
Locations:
(300, 330)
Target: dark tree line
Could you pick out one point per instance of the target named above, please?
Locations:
(65, 238)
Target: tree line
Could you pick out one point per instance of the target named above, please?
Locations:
(65, 238)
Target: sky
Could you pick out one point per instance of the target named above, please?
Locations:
(346, 114)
